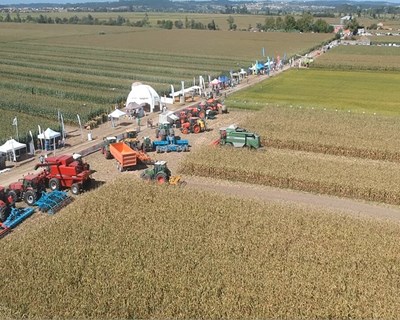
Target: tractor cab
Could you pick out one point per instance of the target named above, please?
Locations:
(131, 134)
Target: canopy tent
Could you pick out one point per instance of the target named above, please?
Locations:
(134, 108)
(215, 82)
(49, 136)
(13, 149)
(116, 114)
(144, 95)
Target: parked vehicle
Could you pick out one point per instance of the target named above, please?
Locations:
(127, 158)
(239, 137)
(164, 129)
(131, 139)
(105, 149)
(67, 171)
(29, 188)
(5, 204)
(171, 143)
(193, 125)
(161, 175)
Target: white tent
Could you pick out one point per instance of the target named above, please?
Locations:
(11, 145)
(116, 114)
(49, 134)
(144, 94)
(12, 148)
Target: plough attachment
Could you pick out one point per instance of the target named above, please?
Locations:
(16, 216)
(53, 201)
(177, 181)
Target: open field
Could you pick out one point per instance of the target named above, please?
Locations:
(202, 256)
(360, 58)
(327, 131)
(87, 69)
(358, 91)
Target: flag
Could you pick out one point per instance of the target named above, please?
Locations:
(15, 122)
(58, 115)
(62, 127)
(31, 144)
(263, 52)
(79, 120)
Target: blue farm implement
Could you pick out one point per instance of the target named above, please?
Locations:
(53, 201)
(16, 216)
(171, 144)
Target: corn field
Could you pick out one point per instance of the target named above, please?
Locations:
(326, 131)
(201, 256)
(312, 172)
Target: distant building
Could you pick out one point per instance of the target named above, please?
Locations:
(344, 19)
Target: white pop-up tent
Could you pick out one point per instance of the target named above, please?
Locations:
(144, 95)
(116, 114)
(49, 137)
(13, 149)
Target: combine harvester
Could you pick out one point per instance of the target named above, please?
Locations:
(233, 136)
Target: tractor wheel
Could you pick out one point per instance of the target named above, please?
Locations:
(161, 178)
(229, 144)
(30, 197)
(185, 131)
(196, 129)
(108, 155)
(75, 189)
(12, 194)
(54, 184)
(3, 212)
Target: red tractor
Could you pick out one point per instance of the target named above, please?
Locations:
(195, 112)
(4, 204)
(29, 188)
(194, 125)
(67, 172)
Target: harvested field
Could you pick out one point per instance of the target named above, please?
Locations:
(339, 176)
(202, 256)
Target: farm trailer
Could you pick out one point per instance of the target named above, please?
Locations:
(126, 157)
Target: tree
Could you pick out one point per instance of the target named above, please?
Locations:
(305, 23)
(178, 24)
(231, 23)
(352, 25)
(8, 18)
(279, 23)
(290, 23)
(212, 26)
(269, 23)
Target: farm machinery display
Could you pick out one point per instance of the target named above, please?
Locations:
(105, 149)
(171, 143)
(127, 158)
(131, 139)
(193, 125)
(161, 174)
(67, 172)
(239, 138)
(16, 216)
(29, 188)
(164, 129)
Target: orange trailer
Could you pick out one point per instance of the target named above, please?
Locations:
(126, 157)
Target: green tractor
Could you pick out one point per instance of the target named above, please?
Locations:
(105, 149)
(159, 173)
(162, 175)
